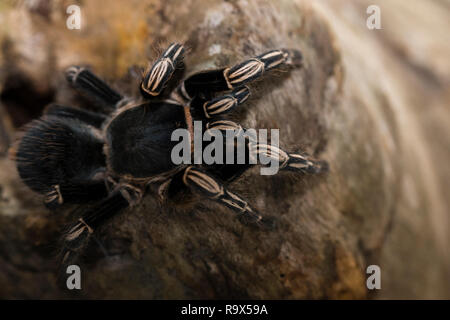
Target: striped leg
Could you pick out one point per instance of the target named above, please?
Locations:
(295, 162)
(238, 75)
(223, 125)
(201, 182)
(221, 105)
(254, 68)
(246, 148)
(156, 76)
(78, 235)
(93, 87)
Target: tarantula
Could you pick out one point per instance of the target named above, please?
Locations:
(113, 156)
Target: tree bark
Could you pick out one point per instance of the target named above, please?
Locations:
(373, 103)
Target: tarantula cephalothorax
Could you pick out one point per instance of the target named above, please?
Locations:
(113, 156)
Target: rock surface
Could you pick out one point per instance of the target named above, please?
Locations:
(374, 104)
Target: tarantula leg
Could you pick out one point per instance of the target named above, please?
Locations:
(298, 162)
(255, 67)
(93, 87)
(287, 161)
(91, 118)
(222, 104)
(223, 125)
(78, 235)
(79, 192)
(206, 185)
(156, 76)
(238, 75)
(294, 162)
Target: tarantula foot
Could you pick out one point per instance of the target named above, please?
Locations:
(257, 221)
(77, 236)
(248, 214)
(67, 257)
(302, 163)
(293, 57)
(74, 243)
(247, 220)
(132, 194)
(268, 223)
(72, 73)
(53, 198)
(320, 167)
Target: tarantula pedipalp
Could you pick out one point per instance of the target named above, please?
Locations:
(113, 156)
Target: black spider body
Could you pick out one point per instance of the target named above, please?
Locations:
(112, 157)
(138, 139)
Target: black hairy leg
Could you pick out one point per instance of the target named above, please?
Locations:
(92, 118)
(220, 105)
(204, 184)
(79, 233)
(258, 153)
(207, 82)
(295, 162)
(76, 192)
(94, 88)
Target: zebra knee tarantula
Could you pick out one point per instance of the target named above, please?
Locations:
(112, 157)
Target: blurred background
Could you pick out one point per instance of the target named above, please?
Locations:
(374, 103)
